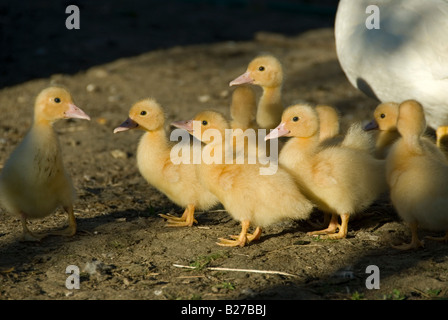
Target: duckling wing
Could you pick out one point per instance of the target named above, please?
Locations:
(171, 172)
(323, 173)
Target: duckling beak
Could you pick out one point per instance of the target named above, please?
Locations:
(280, 131)
(75, 113)
(372, 125)
(186, 125)
(126, 125)
(242, 79)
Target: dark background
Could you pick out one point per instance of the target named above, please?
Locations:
(35, 43)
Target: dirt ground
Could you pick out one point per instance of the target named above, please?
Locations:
(123, 248)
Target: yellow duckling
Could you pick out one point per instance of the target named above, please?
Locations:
(329, 134)
(417, 173)
(33, 182)
(267, 72)
(341, 180)
(385, 121)
(248, 196)
(177, 181)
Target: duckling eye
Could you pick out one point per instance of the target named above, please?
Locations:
(295, 119)
(143, 113)
(383, 116)
(57, 100)
(204, 122)
(261, 68)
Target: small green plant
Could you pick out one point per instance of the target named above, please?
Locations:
(395, 295)
(151, 211)
(357, 296)
(433, 293)
(203, 261)
(226, 285)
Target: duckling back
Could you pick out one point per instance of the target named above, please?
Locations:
(358, 139)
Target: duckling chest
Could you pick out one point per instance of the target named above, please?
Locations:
(46, 157)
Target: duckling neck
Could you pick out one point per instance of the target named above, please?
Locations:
(413, 143)
(155, 140)
(299, 150)
(270, 108)
(214, 153)
(44, 131)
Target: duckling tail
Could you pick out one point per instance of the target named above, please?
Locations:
(357, 138)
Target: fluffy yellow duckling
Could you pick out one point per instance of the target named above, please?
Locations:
(417, 173)
(341, 180)
(267, 72)
(33, 182)
(329, 130)
(177, 181)
(385, 121)
(248, 196)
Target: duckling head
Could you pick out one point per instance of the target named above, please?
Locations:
(299, 120)
(205, 126)
(411, 119)
(56, 103)
(146, 114)
(384, 117)
(265, 71)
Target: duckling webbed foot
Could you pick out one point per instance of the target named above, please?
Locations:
(71, 229)
(332, 227)
(415, 242)
(330, 232)
(243, 238)
(187, 219)
(27, 235)
(440, 239)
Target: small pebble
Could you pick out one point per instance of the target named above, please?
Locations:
(118, 154)
(91, 87)
(204, 98)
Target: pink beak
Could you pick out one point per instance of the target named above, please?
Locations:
(126, 125)
(75, 113)
(186, 125)
(280, 131)
(242, 79)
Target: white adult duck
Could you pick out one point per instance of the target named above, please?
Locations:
(406, 58)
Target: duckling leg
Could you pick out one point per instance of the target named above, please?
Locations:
(71, 229)
(332, 227)
(243, 238)
(441, 133)
(343, 228)
(441, 239)
(27, 235)
(415, 242)
(186, 220)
